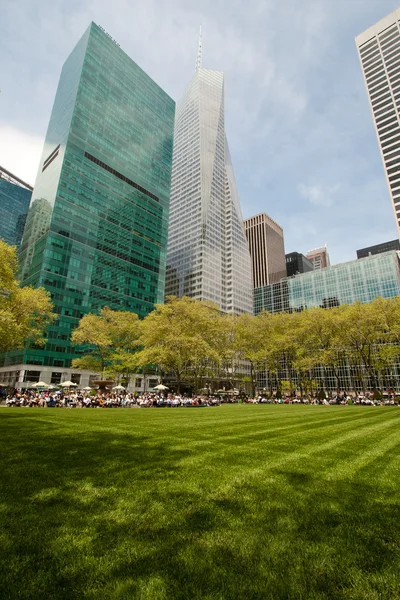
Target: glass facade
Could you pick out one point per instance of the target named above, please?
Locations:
(359, 280)
(96, 232)
(14, 205)
(208, 255)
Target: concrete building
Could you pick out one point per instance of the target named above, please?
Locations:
(267, 249)
(297, 263)
(96, 232)
(379, 53)
(15, 196)
(319, 258)
(379, 248)
(208, 256)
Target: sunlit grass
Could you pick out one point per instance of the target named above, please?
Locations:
(269, 502)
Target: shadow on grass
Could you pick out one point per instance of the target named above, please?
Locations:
(97, 514)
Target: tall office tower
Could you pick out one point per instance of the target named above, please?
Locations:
(15, 196)
(379, 52)
(267, 249)
(208, 257)
(96, 232)
(319, 258)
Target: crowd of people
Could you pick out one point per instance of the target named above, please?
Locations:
(95, 399)
(82, 399)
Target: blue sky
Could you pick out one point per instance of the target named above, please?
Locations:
(298, 121)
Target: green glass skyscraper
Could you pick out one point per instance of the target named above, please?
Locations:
(96, 231)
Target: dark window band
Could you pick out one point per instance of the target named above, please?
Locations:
(49, 161)
(120, 176)
(51, 157)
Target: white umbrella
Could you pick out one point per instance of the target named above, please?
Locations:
(87, 389)
(119, 387)
(160, 387)
(68, 384)
(39, 384)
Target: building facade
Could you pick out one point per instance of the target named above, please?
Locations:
(379, 53)
(15, 196)
(267, 249)
(96, 232)
(297, 263)
(208, 256)
(358, 280)
(379, 248)
(319, 258)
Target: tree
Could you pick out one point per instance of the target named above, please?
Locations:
(25, 312)
(111, 337)
(181, 336)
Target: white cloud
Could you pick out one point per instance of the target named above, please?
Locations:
(317, 194)
(20, 152)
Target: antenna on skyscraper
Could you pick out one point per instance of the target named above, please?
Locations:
(199, 52)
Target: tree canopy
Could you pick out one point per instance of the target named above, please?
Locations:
(24, 311)
(193, 341)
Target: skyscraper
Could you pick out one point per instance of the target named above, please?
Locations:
(379, 52)
(96, 232)
(208, 256)
(267, 249)
(319, 258)
(15, 196)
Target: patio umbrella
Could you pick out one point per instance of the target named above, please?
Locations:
(68, 384)
(39, 384)
(119, 387)
(87, 388)
(160, 387)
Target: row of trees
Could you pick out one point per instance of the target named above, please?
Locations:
(196, 343)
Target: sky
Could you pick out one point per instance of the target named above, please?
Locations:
(297, 116)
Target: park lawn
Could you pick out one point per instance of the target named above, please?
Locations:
(235, 502)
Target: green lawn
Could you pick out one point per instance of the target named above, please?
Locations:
(238, 502)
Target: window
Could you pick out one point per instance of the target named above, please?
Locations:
(32, 376)
(138, 382)
(55, 378)
(76, 378)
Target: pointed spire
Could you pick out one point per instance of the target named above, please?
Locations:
(199, 52)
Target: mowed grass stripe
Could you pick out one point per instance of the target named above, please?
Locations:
(261, 502)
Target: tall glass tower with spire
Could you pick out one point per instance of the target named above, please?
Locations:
(208, 256)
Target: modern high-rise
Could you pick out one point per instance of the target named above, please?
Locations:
(267, 249)
(379, 52)
(208, 256)
(96, 232)
(319, 258)
(15, 196)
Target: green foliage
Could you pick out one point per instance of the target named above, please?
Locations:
(183, 336)
(24, 312)
(195, 341)
(111, 337)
